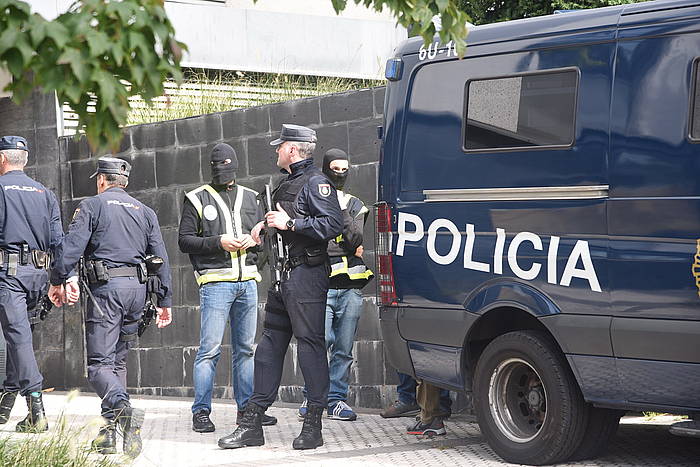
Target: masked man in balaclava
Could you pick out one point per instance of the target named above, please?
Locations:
(215, 232)
(348, 276)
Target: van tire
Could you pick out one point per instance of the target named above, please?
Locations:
(541, 425)
(602, 426)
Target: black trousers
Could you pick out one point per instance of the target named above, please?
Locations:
(299, 309)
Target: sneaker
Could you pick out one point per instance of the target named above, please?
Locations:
(267, 420)
(201, 423)
(301, 413)
(401, 409)
(435, 427)
(341, 411)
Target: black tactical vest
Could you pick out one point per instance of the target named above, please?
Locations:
(287, 194)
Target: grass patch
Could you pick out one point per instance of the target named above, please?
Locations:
(64, 445)
(206, 92)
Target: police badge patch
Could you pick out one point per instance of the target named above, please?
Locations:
(324, 189)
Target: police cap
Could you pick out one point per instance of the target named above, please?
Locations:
(112, 165)
(13, 142)
(295, 133)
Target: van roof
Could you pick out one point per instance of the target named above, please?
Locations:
(553, 25)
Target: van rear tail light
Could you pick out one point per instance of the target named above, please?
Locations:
(386, 292)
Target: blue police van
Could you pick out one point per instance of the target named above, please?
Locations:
(538, 223)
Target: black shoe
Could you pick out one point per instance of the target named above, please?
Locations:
(106, 441)
(249, 432)
(201, 423)
(310, 436)
(130, 421)
(266, 420)
(435, 427)
(7, 401)
(35, 421)
(400, 409)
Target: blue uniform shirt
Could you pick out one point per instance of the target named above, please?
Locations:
(120, 231)
(30, 214)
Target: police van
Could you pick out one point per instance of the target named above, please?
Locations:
(538, 223)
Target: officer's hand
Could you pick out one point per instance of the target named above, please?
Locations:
(246, 241)
(57, 295)
(72, 292)
(229, 243)
(277, 219)
(164, 317)
(359, 251)
(255, 233)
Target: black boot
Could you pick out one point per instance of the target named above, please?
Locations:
(130, 421)
(106, 441)
(7, 401)
(310, 436)
(249, 432)
(35, 420)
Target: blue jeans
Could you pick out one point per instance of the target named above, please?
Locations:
(407, 393)
(236, 302)
(343, 308)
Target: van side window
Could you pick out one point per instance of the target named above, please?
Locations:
(521, 111)
(695, 104)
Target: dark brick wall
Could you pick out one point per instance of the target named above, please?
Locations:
(35, 120)
(170, 158)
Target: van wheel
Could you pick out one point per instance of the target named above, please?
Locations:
(527, 402)
(602, 426)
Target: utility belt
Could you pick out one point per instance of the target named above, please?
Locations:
(10, 260)
(96, 272)
(313, 256)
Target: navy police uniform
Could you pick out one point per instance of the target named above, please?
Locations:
(119, 231)
(30, 228)
(298, 309)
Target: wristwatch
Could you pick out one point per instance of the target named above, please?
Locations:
(290, 224)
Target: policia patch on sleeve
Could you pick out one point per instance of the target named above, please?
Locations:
(324, 189)
(75, 214)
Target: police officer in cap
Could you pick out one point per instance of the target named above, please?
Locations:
(114, 233)
(307, 216)
(30, 230)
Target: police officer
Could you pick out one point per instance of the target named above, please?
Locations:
(307, 216)
(114, 233)
(30, 229)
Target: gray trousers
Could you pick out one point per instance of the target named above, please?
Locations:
(16, 294)
(107, 335)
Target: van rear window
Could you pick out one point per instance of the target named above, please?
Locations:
(695, 109)
(521, 111)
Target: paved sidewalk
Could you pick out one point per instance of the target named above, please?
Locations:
(371, 440)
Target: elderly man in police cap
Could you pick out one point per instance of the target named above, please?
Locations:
(30, 229)
(114, 233)
(307, 215)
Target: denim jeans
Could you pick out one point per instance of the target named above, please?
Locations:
(407, 393)
(237, 303)
(343, 308)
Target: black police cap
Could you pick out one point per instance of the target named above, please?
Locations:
(295, 133)
(112, 165)
(13, 142)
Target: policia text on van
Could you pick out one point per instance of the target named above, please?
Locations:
(538, 221)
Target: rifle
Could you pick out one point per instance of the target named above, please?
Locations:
(153, 264)
(275, 247)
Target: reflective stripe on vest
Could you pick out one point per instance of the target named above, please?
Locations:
(246, 272)
(339, 265)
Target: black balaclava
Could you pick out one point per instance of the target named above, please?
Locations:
(223, 173)
(335, 177)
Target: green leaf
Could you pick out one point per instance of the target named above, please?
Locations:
(8, 38)
(442, 4)
(37, 29)
(99, 43)
(74, 58)
(57, 32)
(14, 61)
(118, 53)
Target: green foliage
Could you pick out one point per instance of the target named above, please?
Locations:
(418, 15)
(95, 55)
(490, 11)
